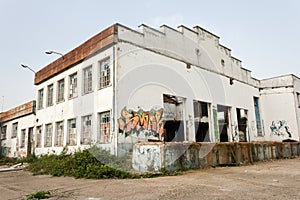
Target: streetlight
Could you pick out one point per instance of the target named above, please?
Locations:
(54, 52)
(25, 66)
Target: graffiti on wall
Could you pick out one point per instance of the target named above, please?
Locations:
(136, 122)
(280, 128)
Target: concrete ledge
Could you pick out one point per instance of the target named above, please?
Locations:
(157, 156)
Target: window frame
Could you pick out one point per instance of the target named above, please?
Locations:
(50, 95)
(23, 136)
(40, 99)
(14, 132)
(86, 134)
(60, 90)
(87, 81)
(59, 134)
(104, 80)
(48, 135)
(4, 133)
(71, 131)
(104, 127)
(39, 130)
(73, 91)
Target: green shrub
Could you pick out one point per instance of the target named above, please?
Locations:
(39, 195)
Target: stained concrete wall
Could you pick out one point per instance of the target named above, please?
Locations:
(154, 157)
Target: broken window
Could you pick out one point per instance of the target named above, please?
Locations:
(201, 121)
(257, 116)
(14, 130)
(86, 129)
(73, 90)
(48, 135)
(242, 128)
(104, 124)
(72, 132)
(173, 116)
(23, 136)
(223, 122)
(87, 80)
(3, 132)
(40, 98)
(104, 76)
(39, 136)
(59, 136)
(60, 90)
(50, 95)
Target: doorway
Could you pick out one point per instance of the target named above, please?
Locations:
(29, 141)
(201, 121)
(242, 118)
(223, 122)
(173, 115)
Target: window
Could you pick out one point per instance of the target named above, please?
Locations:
(87, 80)
(257, 116)
(39, 136)
(73, 86)
(50, 95)
(86, 129)
(14, 130)
(3, 132)
(72, 132)
(40, 98)
(298, 99)
(48, 135)
(104, 76)
(104, 124)
(23, 135)
(60, 90)
(59, 136)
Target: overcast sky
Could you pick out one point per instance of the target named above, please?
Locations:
(264, 34)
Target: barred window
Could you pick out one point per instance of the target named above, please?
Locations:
(104, 76)
(86, 129)
(104, 127)
(60, 90)
(87, 80)
(50, 95)
(72, 132)
(48, 135)
(59, 136)
(73, 91)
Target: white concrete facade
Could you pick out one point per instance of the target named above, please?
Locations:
(166, 84)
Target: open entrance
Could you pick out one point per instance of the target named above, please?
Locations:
(201, 121)
(223, 122)
(173, 116)
(242, 117)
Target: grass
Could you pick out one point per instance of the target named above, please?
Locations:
(39, 195)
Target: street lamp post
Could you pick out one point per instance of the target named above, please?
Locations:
(25, 66)
(54, 52)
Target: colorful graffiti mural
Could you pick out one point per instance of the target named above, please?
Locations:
(148, 122)
(280, 128)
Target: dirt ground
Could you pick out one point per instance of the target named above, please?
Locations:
(266, 180)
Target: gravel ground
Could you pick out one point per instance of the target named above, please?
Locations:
(265, 180)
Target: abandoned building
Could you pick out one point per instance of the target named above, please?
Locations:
(123, 86)
(17, 130)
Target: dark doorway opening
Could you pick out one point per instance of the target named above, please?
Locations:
(29, 141)
(242, 124)
(201, 121)
(223, 122)
(174, 118)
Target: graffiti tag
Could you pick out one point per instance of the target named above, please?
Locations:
(149, 122)
(280, 128)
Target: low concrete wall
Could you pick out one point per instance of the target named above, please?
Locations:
(154, 157)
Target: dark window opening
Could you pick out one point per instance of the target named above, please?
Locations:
(242, 124)
(223, 122)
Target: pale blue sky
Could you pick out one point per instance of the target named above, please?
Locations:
(264, 34)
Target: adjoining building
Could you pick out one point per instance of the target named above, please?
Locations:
(123, 86)
(17, 130)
